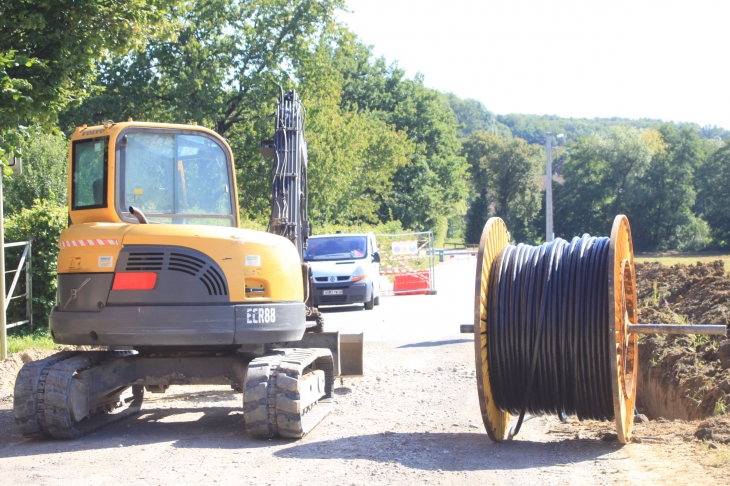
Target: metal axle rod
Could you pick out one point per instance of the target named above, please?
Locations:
(718, 330)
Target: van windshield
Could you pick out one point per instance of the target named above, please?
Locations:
(336, 248)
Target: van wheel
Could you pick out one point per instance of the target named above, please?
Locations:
(371, 303)
(377, 300)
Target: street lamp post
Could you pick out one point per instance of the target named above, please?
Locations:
(549, 187)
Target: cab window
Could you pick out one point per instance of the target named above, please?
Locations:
(89, 182)
(176, 178)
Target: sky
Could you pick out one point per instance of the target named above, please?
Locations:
(590, 58)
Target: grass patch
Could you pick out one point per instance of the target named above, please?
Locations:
(670, 258)
(722, 457)
(40, 339)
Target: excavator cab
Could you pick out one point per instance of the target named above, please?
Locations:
(171, 175)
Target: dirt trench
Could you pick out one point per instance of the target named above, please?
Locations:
(684, 377)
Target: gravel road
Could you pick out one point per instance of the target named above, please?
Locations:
(413, 418)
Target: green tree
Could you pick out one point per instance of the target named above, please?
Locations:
(353, 158)
(48, 52)
(476, 216)
(714, 181)
(660, 204)
(534, 127)
(506, 177)
(353, 155)
(600, 175)
(221, 70)
(44, 175)
(433, 183)
(43, 223)
(472, 115)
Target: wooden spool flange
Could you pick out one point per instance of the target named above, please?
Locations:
(494, 238)
(622, 312)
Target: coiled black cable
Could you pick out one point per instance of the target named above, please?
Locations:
(549, 342)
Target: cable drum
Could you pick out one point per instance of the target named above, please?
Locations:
(551, 329)
(549, 342)
(556, 329)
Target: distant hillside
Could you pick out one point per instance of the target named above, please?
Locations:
(473, 116)
(534, 127)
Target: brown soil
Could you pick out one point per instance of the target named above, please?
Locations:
(692, 370)
(9, 368)
(697, 294)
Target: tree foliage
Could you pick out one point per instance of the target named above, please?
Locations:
(353, 158)
(599, 174)
(221, 69)
(660, 205)
(49, 50)
(506, 177)
(713, 183)
(472, 116)
(646, 174)
(533, 128)
(432, 184)
(43, 223)
(45, 165)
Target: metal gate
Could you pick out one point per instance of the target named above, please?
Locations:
(407, 263)
(24, 268)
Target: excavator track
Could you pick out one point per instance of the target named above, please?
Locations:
(287, 392)
(28, 399)
(47, 398)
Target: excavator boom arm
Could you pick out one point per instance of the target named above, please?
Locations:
(289, 203)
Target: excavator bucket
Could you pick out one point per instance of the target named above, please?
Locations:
(351, 354)
(347, 349)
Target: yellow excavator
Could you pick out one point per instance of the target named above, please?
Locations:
(154, 270)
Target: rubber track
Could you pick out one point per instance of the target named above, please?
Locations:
(297, 425)
(259, 395)
(58, 417)
(269, 381)
(27, 395)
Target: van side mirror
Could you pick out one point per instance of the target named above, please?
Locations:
(376, 257)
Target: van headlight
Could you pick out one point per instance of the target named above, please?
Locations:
(358, 274)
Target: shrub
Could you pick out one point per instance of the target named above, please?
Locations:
(45, 163)
(43, 223)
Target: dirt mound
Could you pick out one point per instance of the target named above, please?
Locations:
(690, 366)
(9, 368)
(716, 429)
(696, 366)
(697, 294)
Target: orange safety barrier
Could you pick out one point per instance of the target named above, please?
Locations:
(416, 282)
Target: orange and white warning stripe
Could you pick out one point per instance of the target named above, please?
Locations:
(96, 242)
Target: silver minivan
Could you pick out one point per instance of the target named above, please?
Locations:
(345, 269)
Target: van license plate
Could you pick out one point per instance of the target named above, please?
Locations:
(332, 292)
